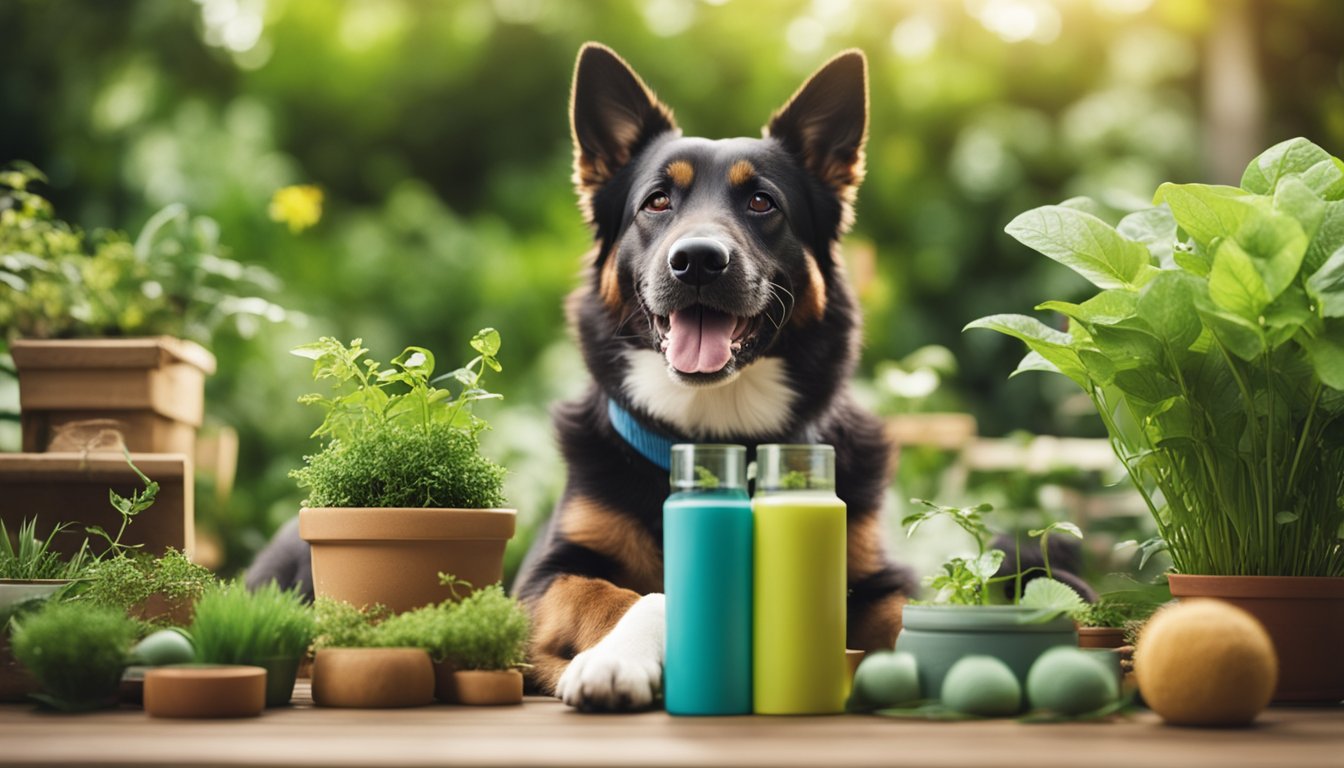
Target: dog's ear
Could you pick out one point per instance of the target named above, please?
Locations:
(825, 125)
(612, 115)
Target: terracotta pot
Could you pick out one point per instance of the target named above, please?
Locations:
(1101, 637)
(488, 687)
(153, 389)
(205, 691)
(941, 635)
(1303, 615)
(372, 678)
(16, 682)
(73, 486)
(394, 556)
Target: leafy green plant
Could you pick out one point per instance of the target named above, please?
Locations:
(1214, 354)
(967, 581)
(77, 652)
(235, 626)
(34, 558)
(486, 629)
(394, 438)
(127, 581)
(57, 281)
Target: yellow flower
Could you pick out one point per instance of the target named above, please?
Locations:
(299, 206)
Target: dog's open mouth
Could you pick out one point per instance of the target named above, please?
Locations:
(698, 339)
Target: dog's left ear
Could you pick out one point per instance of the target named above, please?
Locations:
(825, 125)
(612, 116)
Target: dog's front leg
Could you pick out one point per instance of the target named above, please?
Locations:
(597, 646)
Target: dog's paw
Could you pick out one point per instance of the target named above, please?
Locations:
(624, 671)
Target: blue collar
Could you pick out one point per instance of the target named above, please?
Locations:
(653, 446)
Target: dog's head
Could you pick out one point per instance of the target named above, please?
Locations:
(714, 285)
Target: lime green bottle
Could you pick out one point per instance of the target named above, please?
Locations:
(799, 585)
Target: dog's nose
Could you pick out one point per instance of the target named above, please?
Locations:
(697, 260)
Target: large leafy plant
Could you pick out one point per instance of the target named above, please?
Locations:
(393, 436)
(1214, 353)
(58, 281)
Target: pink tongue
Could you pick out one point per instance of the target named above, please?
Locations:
(700, 339)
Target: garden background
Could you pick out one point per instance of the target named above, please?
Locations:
(438, 136)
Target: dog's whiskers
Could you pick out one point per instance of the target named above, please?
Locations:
(786, 309)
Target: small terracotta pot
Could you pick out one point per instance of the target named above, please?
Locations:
(1101, 637)
(205, 691)
(488, 687)
(393, 556)
(1304, 616)
(372, 678)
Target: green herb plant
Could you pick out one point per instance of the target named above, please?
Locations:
(1213, 350)
(33, 558)
(233, 625)
(129, 580)
(76, 652)
(57, 281)
(339, 624)
(968, 580)
(393, 438)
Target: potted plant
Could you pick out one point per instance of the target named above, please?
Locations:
(268, 627)
(31, 570)
(77, 653)
(1114, 620)
(1213, 351)
(400, 491)
(353, 667)
(101, 324)
(961, 620)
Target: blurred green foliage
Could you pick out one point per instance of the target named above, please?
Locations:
(438, 135)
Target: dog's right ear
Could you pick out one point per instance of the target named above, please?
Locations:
(612, 115)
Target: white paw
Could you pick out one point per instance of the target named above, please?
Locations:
(624, 671)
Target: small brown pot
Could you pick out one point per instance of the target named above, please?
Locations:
(1303, 615)
(205, 691)
(488, 687)
(372, 678)
(152, 388)
(394, 556)
(1101, 637)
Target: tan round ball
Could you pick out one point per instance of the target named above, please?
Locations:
(1205, 662)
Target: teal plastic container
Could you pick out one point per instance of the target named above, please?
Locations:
(707, 580)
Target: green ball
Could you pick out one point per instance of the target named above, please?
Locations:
(1070, 682)
(167, 646)
(982, 685)
(886, 679)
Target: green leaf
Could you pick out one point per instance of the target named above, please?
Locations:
(1055, 346)
(1156, 229)
(1105, 308)
(1326, 179)
(1235, 284)
(486, 341)
(416, 360)
(1060, 526)
(1327, 238)
(986, 565)
(1326, 285)
(1085, 244)
(1285, 517)
(1287, 157)
(1205, 211)
(1050, 598)
(1167, 304)
(1034, 362)
(1327, 357)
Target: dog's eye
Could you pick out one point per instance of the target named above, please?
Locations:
(658, 201)
(761, 203)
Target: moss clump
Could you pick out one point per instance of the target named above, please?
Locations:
(391, 465)
(77, 652)
(125, 582)
(342, 625)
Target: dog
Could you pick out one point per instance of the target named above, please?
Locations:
(714, 308)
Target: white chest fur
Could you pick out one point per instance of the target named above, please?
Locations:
(757, 401)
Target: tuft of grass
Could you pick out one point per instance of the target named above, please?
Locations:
(235, 626)
(392, 465)
(76, 652)
(34, 558)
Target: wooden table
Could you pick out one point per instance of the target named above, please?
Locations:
(545, 732)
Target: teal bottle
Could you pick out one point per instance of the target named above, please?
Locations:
(707, 580)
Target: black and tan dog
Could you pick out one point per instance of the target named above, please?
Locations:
(715, 309)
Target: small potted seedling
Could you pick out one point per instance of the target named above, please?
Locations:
(400, 490)
(268, 627)
(77, 653)
(486, 645)
(962, 622)
(30, 571)
(357, 666)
